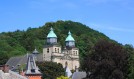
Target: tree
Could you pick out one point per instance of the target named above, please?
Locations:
(108, 60)
(62, 77)
(51, 70)
(130, 51)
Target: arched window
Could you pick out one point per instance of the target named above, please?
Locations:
(73, 52)
(58, 50)
(76, 53)
(47, 50)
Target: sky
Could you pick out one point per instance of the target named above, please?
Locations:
(114, 18)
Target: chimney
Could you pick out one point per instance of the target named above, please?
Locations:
(5, 68)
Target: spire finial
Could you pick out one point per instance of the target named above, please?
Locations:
(51, 29)
(35, 48)
(69, 33)
(51, 33)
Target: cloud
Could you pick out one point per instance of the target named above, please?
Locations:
(98, 2)
(111, 28)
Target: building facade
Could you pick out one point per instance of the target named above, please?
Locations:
(67, 56)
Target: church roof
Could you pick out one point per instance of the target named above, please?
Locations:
(13, 62)
(51, 34)
(79, 75)
(31, 66)
(35, 51)
(69, 38)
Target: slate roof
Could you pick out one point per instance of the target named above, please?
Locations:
(35, 51)
(79, 75)
(14, 62)
(31, 68)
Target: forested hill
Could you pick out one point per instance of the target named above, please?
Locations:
(22, 42)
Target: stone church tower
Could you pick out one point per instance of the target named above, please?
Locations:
(68, 56)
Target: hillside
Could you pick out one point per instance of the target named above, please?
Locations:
(22, 42)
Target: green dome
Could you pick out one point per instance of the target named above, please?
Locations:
(51, 34)
(69, 38)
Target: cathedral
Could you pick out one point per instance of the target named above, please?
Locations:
(67, 56)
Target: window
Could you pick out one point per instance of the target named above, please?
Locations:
(47, 50)
(55, 50)
(73, 52)
(58, 50)
(76, 53)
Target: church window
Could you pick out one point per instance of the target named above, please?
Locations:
(47, 50)
(73, 52)
(55, 50)
(58, 50)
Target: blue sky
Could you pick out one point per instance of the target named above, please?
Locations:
(114, 18)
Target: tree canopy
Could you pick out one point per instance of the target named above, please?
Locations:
(107, 61)
(51, 70)
(21, 42)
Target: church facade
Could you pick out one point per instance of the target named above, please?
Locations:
(52, 51)
(67, 56)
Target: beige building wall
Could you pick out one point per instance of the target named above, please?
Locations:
(48, 51)
(69, 56)
(72, 58)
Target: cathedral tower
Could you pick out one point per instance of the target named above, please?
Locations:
(51, 37)
(70, 42)
(71, 53)
(51, 48)
(52, 51)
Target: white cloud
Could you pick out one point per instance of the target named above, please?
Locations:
(111, 28)
(97, 2)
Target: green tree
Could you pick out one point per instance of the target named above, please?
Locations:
(19, 42)
(108, 60)
(50, 70)
(130, 51)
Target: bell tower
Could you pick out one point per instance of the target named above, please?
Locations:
(71, 52)
(51, 37)
(70, 42)
(51, 46)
